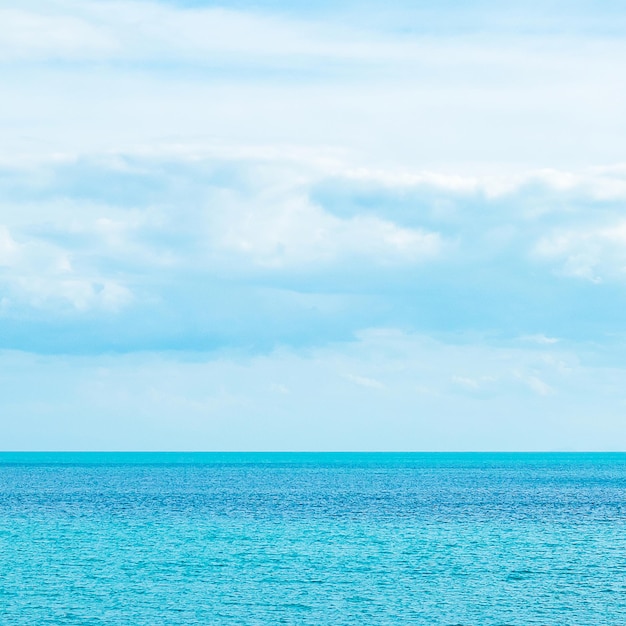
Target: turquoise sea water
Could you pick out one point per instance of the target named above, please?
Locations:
(471, 539)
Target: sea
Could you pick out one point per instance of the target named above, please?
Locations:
(312, 538)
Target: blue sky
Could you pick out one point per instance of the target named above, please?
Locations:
(312, 226)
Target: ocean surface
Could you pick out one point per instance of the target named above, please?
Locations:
(444, 539)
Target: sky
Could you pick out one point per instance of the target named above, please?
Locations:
(312, 225)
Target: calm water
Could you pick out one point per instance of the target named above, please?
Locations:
(466, 539)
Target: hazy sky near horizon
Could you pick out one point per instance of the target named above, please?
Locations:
(312, 225)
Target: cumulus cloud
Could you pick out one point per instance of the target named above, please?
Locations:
(37, 274)
(245, 247)
(593, 253)
(570, 221)
(290, 232)
(214, 216)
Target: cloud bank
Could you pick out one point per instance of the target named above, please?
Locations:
(225, 250)
(262, 225)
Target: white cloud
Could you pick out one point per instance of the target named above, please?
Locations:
(390, 96)
(535, 384)
(473, 384)
(67, 246)
(288, 231)
(40, 275)
(592, 253)
(540, 339)
(8, 248)
(364, 381)
(81, 294)
(260, 214)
